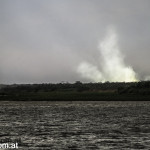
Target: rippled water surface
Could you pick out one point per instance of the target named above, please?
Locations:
(76, 125)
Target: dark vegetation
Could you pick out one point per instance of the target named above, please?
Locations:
(76, 91)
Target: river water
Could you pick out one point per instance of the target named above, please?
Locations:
(76, 125)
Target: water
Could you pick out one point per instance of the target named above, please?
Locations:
(76, 125)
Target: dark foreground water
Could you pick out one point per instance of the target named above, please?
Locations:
(76, 125)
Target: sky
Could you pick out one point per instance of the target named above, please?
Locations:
(52, 41)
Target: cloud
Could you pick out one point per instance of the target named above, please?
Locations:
(113, 67)
(44, 41)
(90, 72)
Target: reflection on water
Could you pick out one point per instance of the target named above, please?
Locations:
(76, 125)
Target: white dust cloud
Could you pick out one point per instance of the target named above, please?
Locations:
(113, 67)
(90, 72)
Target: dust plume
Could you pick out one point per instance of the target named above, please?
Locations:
(112, 66)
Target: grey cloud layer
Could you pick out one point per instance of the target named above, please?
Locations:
(45, 41)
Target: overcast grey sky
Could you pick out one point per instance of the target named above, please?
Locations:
(46, 40)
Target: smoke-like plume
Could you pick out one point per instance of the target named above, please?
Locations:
(113, 67)
(90, 72)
